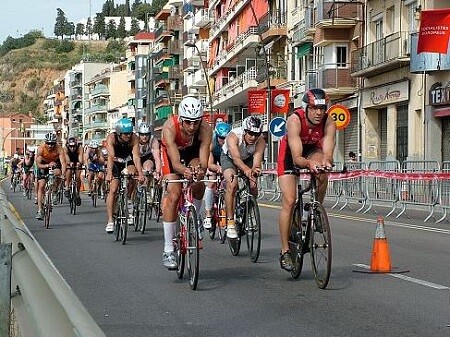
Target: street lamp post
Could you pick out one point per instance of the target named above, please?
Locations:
(267, 75)
(211, 114)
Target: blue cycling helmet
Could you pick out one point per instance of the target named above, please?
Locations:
(124, 125)
(222, 129)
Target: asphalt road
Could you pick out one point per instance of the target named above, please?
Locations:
(129, 293)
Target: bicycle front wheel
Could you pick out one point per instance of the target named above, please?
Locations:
(180, 248)
(253, 229)
(124, 220)
(73, 195)
(193, 251)
(320, 243)
(142, 211)
(47, 208)
(296, 242)
(222, 219)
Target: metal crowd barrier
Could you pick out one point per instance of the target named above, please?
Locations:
(419, 191)
(369, 190)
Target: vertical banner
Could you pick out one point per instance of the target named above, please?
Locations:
(256, 101)
(280, 101)
(434, 31)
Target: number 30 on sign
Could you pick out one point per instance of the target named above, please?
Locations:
(340, 115)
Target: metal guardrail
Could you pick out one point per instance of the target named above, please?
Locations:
(45, 304)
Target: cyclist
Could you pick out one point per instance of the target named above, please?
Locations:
(121, 144)
(49, 154)
(74, 158)
(149, 150)
(218, 139)
(94, 161)
(15, 167)
(244, 150)
(309, 143)
(185, 138)
(28, 167)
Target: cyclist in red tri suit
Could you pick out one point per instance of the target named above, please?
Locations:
(185, 137)
(309, 143)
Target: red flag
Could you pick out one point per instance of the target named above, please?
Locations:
(256, 101)
(280, 101)
(434, 31)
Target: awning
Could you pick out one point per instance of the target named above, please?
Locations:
(443, 112)
(303, 49)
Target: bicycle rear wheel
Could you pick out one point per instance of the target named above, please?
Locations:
(72, 201)
(157, 203)
(321, 252)
(193, 251)
(296, 242)
(141, 211)
(124, 220)
(253, 229)
(94, 194)
(47, 207)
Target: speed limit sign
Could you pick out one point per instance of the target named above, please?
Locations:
(340, 115)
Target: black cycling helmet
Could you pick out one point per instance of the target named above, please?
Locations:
(315, 97)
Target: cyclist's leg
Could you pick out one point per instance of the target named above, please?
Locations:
(209, 201)
(231, 185)
(287, 184)
(100, 181)
(113, 187)
(91, 170)
(41, 180)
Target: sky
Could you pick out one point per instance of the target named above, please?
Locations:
(19, 17)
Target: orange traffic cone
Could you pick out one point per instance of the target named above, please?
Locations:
(381, 258)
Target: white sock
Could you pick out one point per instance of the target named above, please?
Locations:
(169, 234)
(209, 198)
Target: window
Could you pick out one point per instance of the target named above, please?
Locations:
(341, 57)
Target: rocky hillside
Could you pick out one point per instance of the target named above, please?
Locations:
(27, 74)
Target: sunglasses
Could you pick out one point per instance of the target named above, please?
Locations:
(51, 144)
(144, 134)
(126, 133)
(196, 122)
(221, 138)
(253, 134)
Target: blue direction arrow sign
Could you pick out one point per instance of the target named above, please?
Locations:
(277, 126)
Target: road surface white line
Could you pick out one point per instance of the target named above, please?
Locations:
(410, 279)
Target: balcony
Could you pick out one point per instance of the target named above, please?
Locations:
(191, 64)
(304, 32)
(337, 81)
(131, 76)
(161, 79)
(175, 23)
(381, 56)
(97, 124)
(76, 83)
(161, 55)
(175, 96)
(235, 91)
(96, 108)
(174, 47)
(162, 100)
(277, 74)
(175, 73)
(338, 14)
(225, 19)
(162, 33)
(272, 27)
(202, 18)
(99, 90)
(197, 3)
(242, 48)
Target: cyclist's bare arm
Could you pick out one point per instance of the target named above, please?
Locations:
(110, 141)
(136, 155)
(258, 156)
(39, 162)
(329, 142)
(156, 152)
(205, 145)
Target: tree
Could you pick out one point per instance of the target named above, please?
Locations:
(111, 30)
(88, 29)
(79, 30)
(141, 10)
(135, 4)
(134, 29)
(99, 25)
(60, 24)
(121, 31)
(69, 29)
(108, 8)
(157, 5)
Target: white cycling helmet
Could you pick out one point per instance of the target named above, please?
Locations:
(93, 144)
(31, 149)
(104, 151)
(190, 109)
(144, 129)
(252, 124)
(16, 156)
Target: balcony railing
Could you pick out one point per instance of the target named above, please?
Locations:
(96, 108)
(305, 28)
(162, 31)
(330, 76)
(101, 124)
(384, 53)
(174, 23)
(175, 72)
(202, 18)
(174, 47)
(273, 26)
(223, 21)
(161, 55)
(100, 89)
(240, 80)
(340, 9)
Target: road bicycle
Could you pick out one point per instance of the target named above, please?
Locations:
(16, 180)
(140, 205)
(248, 221)
(47, 206)
(310, 236)
(29, 184)
(219, 217)
(73, 190)
(154, 198)
(187, 241)
(121, 204)
(96, 188)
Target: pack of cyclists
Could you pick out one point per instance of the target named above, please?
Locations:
(189, 148)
